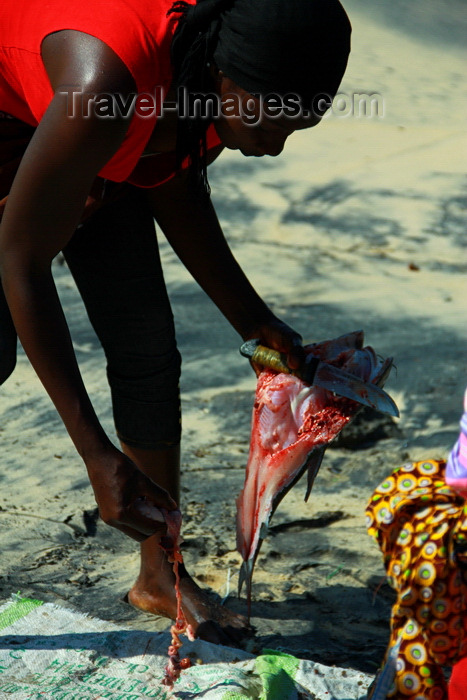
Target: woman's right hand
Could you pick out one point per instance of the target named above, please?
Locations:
(127, 499)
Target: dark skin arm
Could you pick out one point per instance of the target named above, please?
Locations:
(43, 210)
(192, 228)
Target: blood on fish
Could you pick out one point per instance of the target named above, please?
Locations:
(292, 424)
(170, 543)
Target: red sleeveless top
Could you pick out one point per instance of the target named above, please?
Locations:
(138, 31)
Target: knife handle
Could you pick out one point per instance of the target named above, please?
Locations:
(277, 361)
(270, 358)
(266, 357)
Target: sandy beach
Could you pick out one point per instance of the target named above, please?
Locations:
(360, 223)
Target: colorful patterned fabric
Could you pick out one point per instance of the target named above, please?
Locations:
(420, 524)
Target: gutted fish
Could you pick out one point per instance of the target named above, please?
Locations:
(292, 425)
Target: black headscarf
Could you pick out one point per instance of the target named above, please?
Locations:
(284, 46)
(265, 46)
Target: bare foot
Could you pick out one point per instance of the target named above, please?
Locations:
(154, 592)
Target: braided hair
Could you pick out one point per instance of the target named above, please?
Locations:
(192, 49)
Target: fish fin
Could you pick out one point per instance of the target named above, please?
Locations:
(348, 341)
(313, 464)
(246, 576)
(383, 372)
(241, 579)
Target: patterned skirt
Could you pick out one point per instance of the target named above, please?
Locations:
(420, 524)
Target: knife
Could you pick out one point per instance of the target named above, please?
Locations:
(315, 371)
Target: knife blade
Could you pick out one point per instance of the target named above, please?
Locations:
(315, 371)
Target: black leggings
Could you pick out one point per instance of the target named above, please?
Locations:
(114, 259)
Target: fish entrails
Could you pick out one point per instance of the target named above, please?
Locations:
(171, 545)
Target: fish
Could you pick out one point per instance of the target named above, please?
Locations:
(292, 424)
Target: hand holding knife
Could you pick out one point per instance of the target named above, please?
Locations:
(315, 371)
